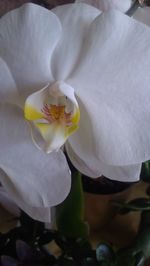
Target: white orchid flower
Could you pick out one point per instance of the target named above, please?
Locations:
(72, 77)
(104, 5)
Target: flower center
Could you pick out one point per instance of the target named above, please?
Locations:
(54, 115)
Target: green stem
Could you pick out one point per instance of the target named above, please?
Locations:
(70, 214)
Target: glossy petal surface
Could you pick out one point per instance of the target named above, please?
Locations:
(8, 89)
(27, 41)
(75, 21)
(114, 95)
(128, 173)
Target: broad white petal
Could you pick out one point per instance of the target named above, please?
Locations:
(143, 15)
(28, 36)
(8, 89)
(75, 20)
(112, 81)
(38, 179)
(128, 173)
(40, 214)
(93, 169)
(104, 5)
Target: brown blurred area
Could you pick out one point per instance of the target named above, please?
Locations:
(106, 225)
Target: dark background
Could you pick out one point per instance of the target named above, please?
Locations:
(6, 5)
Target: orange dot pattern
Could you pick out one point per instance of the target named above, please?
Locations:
(56, 113)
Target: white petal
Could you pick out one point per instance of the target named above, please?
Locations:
(143, 15)
(75, 20)
(93, 169)
(128, 173)
(38, 179)
(8, 89)
(28, 36)
(112, 81)
(104, 5)
(40, 214)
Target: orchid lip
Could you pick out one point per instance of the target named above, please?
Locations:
(54, 112)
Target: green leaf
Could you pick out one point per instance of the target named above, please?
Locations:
(145, 172)
(70, 214)
(139, 259)
(126, 257)
(139, 204)
(142, 240)
(148, 191)
(130, 257)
